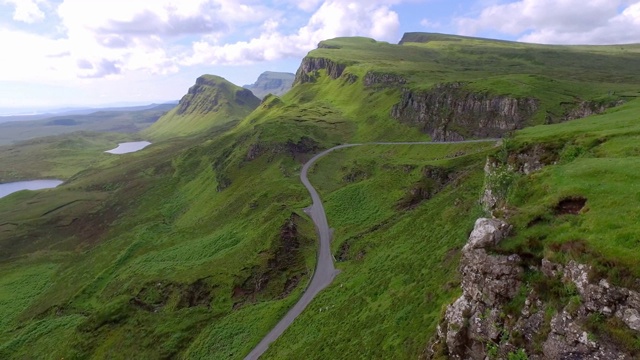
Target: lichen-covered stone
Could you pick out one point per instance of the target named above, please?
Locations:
(599, 297)
(456, 331)
(486, 233)
(551, 269)
(477, 319)
(569, 340)
(488, 281)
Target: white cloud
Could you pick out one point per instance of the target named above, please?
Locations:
(114, 36)
(116, 39)
(560, 21)
(158, 17)
(334, 18)
(307, 5)
(149, 35)
(27, 11)
(43, 59)
(430, 24)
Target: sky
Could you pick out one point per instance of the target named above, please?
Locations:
(63, 53)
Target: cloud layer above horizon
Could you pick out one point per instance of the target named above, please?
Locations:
(96, 38)
(592, 22)
(67, 41)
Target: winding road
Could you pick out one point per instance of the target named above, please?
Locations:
(325, 270)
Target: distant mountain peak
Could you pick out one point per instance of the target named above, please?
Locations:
(212, 101)
(271, 82)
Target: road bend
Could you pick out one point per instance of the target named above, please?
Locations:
(325, 270)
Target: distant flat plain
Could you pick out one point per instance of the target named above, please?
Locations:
(123, 120)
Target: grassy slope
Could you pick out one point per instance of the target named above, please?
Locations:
(193, 233)
(599, 158)
(160, 226)
(332, 111)
(384, 304)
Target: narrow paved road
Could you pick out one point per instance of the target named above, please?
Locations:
(325, 269)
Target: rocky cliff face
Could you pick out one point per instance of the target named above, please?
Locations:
(308, 70)
(450, 112)
(269, 82)
(374, 79)
(488, 282)
(482, 323)
(588, 108)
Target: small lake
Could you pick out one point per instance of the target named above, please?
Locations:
(129, 147)
(9, 188)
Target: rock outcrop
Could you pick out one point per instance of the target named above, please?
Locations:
(570, 335)
(305, 145)
(488, 282)
(482, 323)
(374, 79)
(283, 270)
(434, 179)
(588, 108)
(310, 66)
(499, 173)
(490, 196)
(451, 112)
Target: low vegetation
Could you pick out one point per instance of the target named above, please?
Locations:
(196, 246)
(581, 207)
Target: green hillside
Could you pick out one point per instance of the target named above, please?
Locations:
(195, 247)
(211, 102)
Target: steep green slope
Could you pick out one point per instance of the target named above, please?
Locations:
(398, 232)
(211, 102)
(596, 159)
(147, 245)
